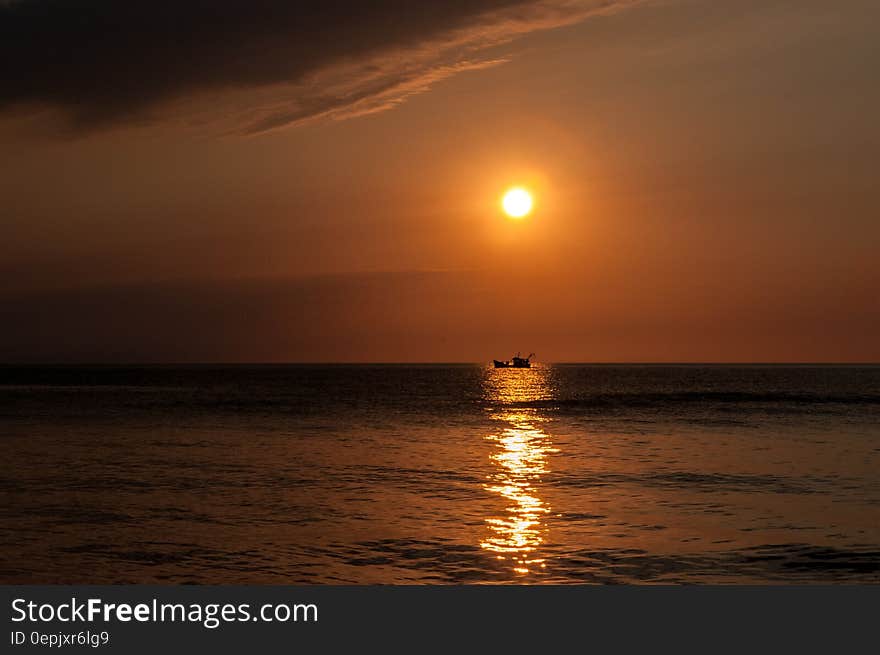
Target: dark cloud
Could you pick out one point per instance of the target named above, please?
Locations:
(271, 62)
(335, 318)
(418, 316)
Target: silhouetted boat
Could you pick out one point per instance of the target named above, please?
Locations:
(516, 362)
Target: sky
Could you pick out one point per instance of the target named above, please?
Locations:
(269, 181)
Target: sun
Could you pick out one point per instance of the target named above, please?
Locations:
(517, 202)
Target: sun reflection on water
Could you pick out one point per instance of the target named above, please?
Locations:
(520, 458)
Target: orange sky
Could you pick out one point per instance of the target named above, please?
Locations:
(704, 173)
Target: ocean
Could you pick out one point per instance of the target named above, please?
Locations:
(440, 474)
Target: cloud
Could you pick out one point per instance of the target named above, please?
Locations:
(254, 65)
(422, 316)
(335, 318)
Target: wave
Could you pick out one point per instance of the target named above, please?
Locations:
(641, 399)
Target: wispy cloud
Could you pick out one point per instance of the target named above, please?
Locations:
(252, 65)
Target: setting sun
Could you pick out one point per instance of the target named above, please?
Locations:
(517, 202)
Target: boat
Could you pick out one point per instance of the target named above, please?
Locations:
(515, 362)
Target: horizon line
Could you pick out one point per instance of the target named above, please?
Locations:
(434, 363)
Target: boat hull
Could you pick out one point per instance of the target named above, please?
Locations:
(499, 364)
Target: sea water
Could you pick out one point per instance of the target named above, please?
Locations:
(440, 474)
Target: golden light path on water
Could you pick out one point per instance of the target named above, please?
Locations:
(520, 459)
